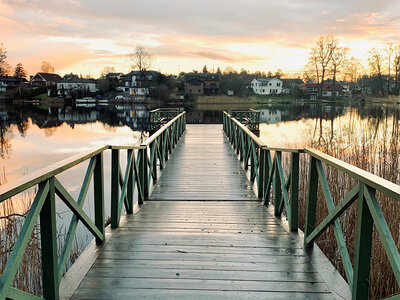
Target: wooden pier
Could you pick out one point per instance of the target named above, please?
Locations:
(202, 234)
(202, 226)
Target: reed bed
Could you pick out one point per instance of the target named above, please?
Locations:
(12, 216)
(372, 144)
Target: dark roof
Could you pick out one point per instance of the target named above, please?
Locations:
(293, 81)
(76, 80)
(12, 79)
(49, 77)
(128, 76)
(202, 76)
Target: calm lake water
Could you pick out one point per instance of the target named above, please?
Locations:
(32, 137)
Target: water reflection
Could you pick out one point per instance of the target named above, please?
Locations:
(32, 137)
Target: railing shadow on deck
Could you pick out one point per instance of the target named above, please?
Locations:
(141, 168)
(268, 175)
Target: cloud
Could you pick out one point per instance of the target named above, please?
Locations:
(180, 29)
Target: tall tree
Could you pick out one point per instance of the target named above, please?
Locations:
(205, 69)
(106, 71)
(19, 71)
(375, 61)
(4, 66)
(389, 54)
(323, 50)
(47, 67)
(140, 59)
(219, 71)
(396, 66)
(338, 59)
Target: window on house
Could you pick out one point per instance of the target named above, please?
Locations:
(199, 91)
(263, 90)
(278, 84)
(270, 84)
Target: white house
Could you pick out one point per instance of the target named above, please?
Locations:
(73, 84)
(270, 116)
(138, 83)
(269, 86)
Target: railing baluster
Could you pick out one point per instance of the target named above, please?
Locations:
(261, 172)
(144, 172)
(130, 186)
(48, 240)
(277, 187)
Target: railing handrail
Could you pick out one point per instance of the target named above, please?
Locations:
(255, 138)
(31, 179)
(387, 187)
(164, 109)
(151, 138)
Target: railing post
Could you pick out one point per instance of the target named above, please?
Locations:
(277, 188)
(48, 239)
(114, 188)
(261, 173)
(311, 203)
(144, 172)
(155, 145)
(267, 169)
(294, 193)
(98, 184)
(131, 185)
(363, 242)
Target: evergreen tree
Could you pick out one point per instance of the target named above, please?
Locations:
(205, 69)
(19, 71)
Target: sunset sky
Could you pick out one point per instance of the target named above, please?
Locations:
(85, 36)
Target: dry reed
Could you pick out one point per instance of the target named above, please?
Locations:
(374, 148)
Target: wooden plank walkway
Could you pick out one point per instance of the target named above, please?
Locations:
(203, 249)
(203, 167)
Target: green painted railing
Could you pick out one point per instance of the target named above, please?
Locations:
(160, 116)
(270, 174)
(249, 118)
(140, 168)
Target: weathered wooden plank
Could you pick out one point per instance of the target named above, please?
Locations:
(126, 293)
(114, 272)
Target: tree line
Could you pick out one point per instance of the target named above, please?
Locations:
(329, 60)
(18, 71)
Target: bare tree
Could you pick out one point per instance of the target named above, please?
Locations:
(389, 53)
(375, 61)
(47, 67)
(4, 66)
(396, 63)
(312, 69)
(140, 59)
(322, 53)
(338, 59)
(107, 70)
(352, 69)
